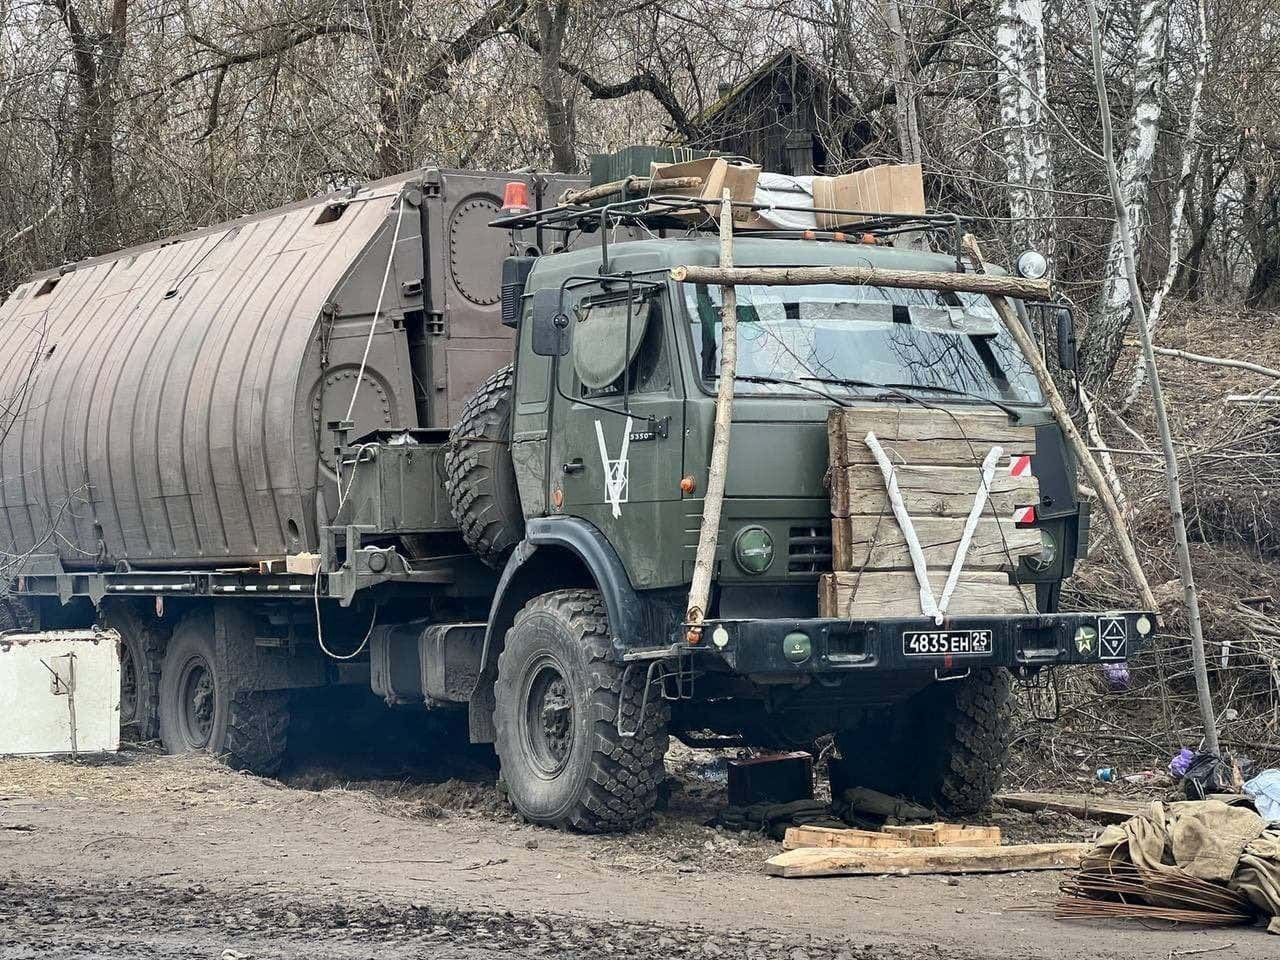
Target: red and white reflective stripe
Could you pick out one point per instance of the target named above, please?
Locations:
(1020, 466)
(1024, 515)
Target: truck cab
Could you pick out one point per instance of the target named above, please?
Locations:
(612, 416)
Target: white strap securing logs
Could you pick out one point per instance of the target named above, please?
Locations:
(929, 606)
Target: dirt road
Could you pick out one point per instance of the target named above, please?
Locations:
(148, 856)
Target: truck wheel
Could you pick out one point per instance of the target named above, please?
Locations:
(946, 747)
(557, 693)
(141, 649)
(202, 712)
(480, 479)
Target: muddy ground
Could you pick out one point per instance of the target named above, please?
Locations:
(142, 856)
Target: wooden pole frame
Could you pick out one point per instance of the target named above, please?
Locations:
(704, 563)
(990, 284)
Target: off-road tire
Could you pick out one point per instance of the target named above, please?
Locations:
(480, 478)
(249, 729)
(946, 747)
(142, 643)
(608, 782)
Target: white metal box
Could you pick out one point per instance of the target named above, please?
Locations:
(59, 692)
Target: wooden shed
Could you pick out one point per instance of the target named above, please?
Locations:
(788, 115)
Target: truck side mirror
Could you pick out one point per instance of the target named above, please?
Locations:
(550, 324)
(1066, 338)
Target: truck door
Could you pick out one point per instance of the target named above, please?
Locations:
(616, 452)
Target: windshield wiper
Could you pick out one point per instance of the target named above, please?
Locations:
(848, 382)
(783, 382)
(899, 389)
(889, 389)
(1014, 414)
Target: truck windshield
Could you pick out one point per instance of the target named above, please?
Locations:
(879, 335)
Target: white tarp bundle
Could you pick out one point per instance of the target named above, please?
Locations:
(786, 191)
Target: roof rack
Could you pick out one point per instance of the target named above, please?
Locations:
(671, 211)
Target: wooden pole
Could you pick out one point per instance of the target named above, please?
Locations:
(989, 284)
(1189, 596)
(708, 536)
(625, 186)
(1074, 440)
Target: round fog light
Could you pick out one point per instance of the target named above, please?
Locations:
(797, 647)
(753, 550)
(1048, 554)
(1143, 626)
(720, 636)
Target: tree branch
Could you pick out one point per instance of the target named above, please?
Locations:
(643, 81)
(498, 19)
(81, 44)
(269, 51)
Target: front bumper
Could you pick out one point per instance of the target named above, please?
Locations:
(757, 647)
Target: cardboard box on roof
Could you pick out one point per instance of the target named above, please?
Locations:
(889, 188)
(716, 173)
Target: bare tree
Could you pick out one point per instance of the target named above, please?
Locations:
(1177, 218)
(97, 54)
(552, 17)
(904, 87)
(1023, 92)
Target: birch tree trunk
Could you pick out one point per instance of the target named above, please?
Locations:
(1177, 220)
(1022, 88)
(1115, 307)
(905, 114)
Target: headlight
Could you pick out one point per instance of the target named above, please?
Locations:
(1048, 554)
(753, 550)
(1031, 265)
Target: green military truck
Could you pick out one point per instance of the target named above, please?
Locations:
(411, 437)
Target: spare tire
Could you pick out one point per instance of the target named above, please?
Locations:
(480, 478)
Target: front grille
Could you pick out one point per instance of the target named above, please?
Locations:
(809, 549)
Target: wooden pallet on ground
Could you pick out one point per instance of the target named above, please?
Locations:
(813, 862)
(946, 835)
(825, 837)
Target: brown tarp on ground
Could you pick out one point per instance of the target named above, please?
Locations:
(1207, 839)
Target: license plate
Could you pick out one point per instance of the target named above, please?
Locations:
(941, 643)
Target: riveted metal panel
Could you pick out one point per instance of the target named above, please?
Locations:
(464, 268)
